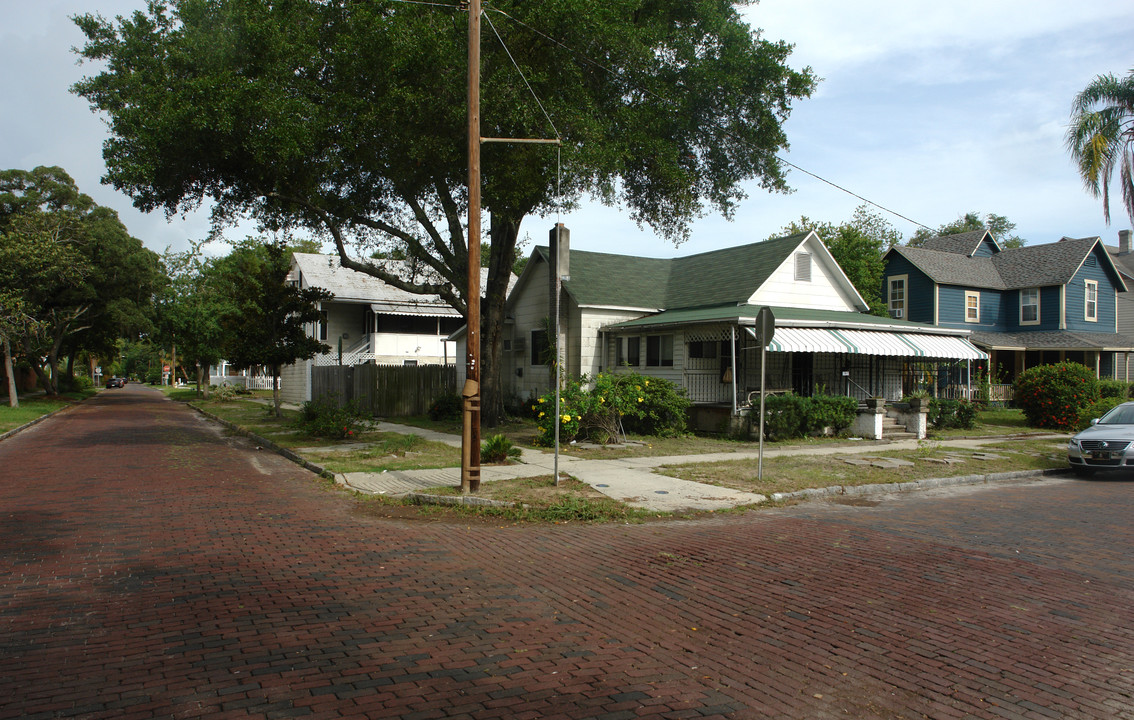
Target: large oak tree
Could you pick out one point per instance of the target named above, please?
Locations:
(348, 118)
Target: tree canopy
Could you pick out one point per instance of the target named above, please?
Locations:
(79, 279)
(1101, 138)
(857, 246)
(349, 119)
(1001, 228)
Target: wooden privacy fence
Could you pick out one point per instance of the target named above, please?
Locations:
(387, 390)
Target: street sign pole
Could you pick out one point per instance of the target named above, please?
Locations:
(766, 325)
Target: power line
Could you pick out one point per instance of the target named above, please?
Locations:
(669, 101)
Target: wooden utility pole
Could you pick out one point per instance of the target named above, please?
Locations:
(470, 437)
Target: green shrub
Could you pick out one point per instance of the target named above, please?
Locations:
(326, 419)
(1113, 389)
(445, 408)
(785, 416)
(497, 449)
(661, 406)
(945, 414)
(1053, 396)
(573, 402)
(834, 411)
(1096, 410)
(76, 383)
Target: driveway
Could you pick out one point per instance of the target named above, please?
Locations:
(153, 567)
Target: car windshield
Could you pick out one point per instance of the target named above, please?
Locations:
(1121, 415)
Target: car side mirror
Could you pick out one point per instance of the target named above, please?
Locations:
(1095, 421)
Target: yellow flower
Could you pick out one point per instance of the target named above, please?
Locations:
(578, 417)
(602, 399)
(566, 418)
(647, 383)
(542, 414)
(639, 399)
(541, 400)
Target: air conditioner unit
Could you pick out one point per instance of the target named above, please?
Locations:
(897, 312)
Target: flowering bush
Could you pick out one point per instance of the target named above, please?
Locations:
(638, 403)
(1096, 410)
(325, 418)
(1053, 396)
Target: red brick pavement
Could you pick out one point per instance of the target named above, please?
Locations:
(152, 568)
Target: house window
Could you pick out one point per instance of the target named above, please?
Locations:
(322, 324)
(703, 349)
(972, 307)
(541, 350)
(897, 296)
(803, 267)
(409, 363)
(1029, 306)
(1092, 300)
(628, 351)
(659, 351)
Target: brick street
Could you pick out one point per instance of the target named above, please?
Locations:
(150, 566)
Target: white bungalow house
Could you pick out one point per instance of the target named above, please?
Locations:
(692, 320)
(369, 321)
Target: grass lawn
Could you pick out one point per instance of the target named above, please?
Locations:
(29, 409)
(799, 472)
(539, 499)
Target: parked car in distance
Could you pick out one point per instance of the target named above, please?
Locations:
(1106, 444)
(116, 382)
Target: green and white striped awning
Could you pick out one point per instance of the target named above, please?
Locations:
(866, 342)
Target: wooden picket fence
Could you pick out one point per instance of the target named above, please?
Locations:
(385, 390)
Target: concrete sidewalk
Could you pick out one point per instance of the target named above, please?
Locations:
(629, 480)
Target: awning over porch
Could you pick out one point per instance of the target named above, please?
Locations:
(865, 342)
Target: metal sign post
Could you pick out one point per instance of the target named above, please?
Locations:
(766, 329)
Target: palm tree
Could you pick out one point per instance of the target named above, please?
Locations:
(1101, 137)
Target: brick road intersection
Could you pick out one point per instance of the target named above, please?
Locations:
(152, 567)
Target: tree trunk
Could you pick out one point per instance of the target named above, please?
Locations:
(9, 372)
(276, 389)
(173, 365)
(503, 233)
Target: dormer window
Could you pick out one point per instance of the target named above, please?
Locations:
(896, 296)
(803, 267)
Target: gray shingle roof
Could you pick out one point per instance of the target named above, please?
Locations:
(960, 244)
(1030, 266)
(1053, 340)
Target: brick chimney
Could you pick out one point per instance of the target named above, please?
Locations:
(1124, 242)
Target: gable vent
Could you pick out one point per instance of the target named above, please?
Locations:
(803, 267)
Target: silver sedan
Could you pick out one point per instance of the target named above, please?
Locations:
(1106, 444)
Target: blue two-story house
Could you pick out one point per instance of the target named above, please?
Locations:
(1026, 306)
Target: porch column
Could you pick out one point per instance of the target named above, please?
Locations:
(732, 337)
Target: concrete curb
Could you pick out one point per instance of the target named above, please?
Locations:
(423, 499)
(268, 444)
(924, 484)
(37, 421)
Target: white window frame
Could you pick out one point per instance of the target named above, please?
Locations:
(972, 295)
(904, 300)
(1036, 321)
(1091, 301)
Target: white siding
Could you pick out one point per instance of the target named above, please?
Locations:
(823, 292)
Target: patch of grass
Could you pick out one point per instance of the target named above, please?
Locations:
(386, 451)
(800, 472)
(539, 499)
(994, 421)
(29, 409)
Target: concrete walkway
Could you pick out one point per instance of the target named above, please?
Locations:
(629, 480)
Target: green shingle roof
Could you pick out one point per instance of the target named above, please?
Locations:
(718, 277)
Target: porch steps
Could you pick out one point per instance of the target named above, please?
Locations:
(892, 430)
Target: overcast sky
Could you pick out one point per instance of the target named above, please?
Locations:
(929, 109)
